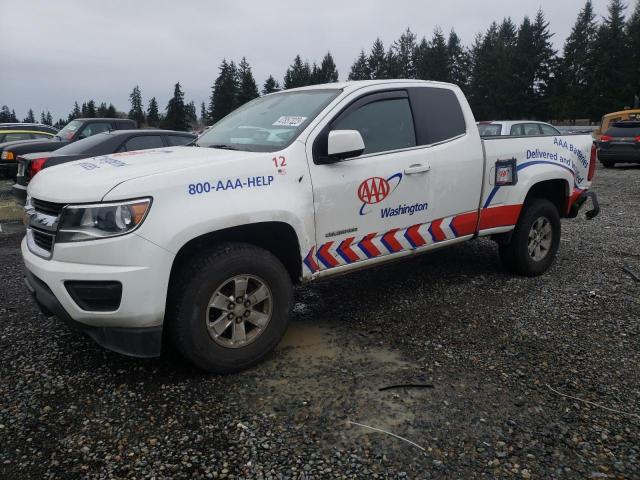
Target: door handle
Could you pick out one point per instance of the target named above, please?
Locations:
(417, 168)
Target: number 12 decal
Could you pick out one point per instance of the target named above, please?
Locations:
(279, 161)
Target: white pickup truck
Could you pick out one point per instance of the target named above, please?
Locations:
(202, 244)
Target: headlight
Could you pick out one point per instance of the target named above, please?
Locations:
(7, 155)
(101, 220)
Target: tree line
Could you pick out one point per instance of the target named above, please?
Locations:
(509, 72)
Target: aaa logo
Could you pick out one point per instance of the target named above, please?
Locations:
(375, 189)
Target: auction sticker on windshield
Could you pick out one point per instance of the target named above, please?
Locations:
(289, 121)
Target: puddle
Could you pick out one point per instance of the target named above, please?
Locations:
(327, 374)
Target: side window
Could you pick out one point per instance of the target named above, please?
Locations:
(517, 129)
(531, 129)
(143, 142)
(384, 125)
(94, 128)
(437, 113)
(548, 130)
(177, 140)
(12, 137)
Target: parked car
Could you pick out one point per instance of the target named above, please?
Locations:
(21, 132)
(621, 116)
(516, 128)
(620, 144)
(74, 130)
(104, 143)
(201, 246)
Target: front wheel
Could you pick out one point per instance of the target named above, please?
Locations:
(535, 239)
(230, 307)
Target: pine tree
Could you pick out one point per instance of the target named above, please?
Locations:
(328, 73)
(6, 115)
(404, 50)
(298, 74)
(392, 65)
(203, 114)
(611, 64)
(225, 92)
(153, 116)
(59, 124)
(247, 88)
(575, 71)
(137, 112)
(30, 117)
(377, 61)
(270, 85)
(192, 116)
(459, 61)
(101, 112)
(360, 68)
(111, 111)
(176, 117)
(91, 109)
(75, 113)
(48, 118)
(633, 34)
(83, 109)
(432, 58)
(43, 118)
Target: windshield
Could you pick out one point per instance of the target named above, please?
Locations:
(489, 129)
(268, 123)
(69, 130)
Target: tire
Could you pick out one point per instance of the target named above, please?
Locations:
(608, 163)
(200, 307)
(538, 215)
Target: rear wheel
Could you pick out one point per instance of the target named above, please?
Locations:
(231, 307)
(535, 239)
(608, 163)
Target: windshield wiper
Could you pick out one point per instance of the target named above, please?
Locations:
(222, 146)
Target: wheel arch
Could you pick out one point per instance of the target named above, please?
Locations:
(556, 190)
(279, 238)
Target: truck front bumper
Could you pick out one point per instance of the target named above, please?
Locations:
(132, 325)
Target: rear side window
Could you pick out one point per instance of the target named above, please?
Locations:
(490, 129)
(12, 137)
(548, 130)
(517, 129)
(531, 129)
(384, 125)
(437, 113)
(177, 140)
(144, 142)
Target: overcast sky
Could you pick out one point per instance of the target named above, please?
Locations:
(53, 53)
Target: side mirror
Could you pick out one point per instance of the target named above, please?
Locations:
(344, 144)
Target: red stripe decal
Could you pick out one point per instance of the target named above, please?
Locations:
(414, 236)
(389, 239)
(502, 216)
(436, 231)
(465, 224)
(368, 247)
(346, 250)
(326, 257)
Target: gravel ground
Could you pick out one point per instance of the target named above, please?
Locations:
(493, 346)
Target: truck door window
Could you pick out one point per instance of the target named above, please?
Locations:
(549, 130)
(531, 129)
(438, 115)
(143, 143)
(384, 125)
(517, 129)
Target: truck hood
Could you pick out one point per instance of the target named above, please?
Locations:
(90, 179)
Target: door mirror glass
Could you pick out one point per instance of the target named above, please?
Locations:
(344, 144)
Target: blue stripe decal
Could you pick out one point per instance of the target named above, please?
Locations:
(525, 165)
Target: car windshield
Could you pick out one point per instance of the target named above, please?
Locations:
(489, 129)
(69, 130)
(269, 123)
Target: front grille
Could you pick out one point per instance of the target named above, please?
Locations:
(48, 208)
(42, 239)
